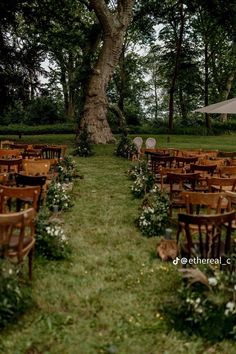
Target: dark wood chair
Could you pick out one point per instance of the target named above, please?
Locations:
(17, 237)
(206, 171)
(24, 180)
(17, 198)
(178, 183)
(184, 161)
(212, 241)
(51, 153)
(161, 161)
(227, 171)
(10, 165)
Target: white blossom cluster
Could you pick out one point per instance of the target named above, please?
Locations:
(56, 231)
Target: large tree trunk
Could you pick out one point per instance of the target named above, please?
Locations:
(114, 25)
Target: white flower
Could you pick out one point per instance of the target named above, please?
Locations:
(230, 306)
(212, 281)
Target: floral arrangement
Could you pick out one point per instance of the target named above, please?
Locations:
(154, 218)
(14, 299)
(51, 241)
(84, 144)
(57, 195)
(140, 169)
(125, 147)
(143, 180)
(66, 169)
(204, 303)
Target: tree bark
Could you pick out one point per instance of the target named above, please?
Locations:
(114, 25)
(206, 84)
(226, 92)
(179, 41)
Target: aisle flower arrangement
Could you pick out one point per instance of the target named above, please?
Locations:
(51, 242)
(204, 303)
(58, 195)
(153, 218)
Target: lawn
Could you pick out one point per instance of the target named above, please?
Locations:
(105, 299)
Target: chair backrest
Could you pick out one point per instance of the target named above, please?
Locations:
(6, 144)
(51, 153)
(24, 180)
(220, 183)
(35, 167)
(198, 202)
(161, 161)
(32, 153)
(211, 243)
(150, 143)
(182, 161)
(18, 198)
(138, 141)
(9, 153)
(164, 170)
(227, 171)
(17, 236)
(10, 165)
(206, 169)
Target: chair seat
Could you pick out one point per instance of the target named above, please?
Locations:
(13, 244)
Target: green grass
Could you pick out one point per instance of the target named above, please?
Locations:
(106, 298)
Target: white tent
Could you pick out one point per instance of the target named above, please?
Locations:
(228, 106)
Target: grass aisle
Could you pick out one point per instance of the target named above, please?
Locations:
(104, 300)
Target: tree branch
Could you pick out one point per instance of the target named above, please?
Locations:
(103, 14)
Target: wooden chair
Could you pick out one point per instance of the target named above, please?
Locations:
(218, 184)
(178, 183)
(164, 183)
(185, 161)
(16, 198)
(32, 153)
(10, 165)
(51, 153)
(17, 237)
(24, 180)
(161, 161)
(9, 153)
(6, 144)
(206, 171)
(36, 167)
(210, 243)
(227, 171)
(207, 203)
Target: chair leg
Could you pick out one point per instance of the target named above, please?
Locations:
(30, 259)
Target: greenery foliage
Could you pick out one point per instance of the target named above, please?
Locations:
(207, 297)
(143, 180)
(51, 241)
(154, 215)
(84, 144)
(14, 298)
(66, 169)
(57, 195)
(125, 147)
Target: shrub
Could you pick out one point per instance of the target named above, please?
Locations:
(205, 304)
(125, 147)
(84, 146)
(154, 218)
(14, 299)
(51, 241)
